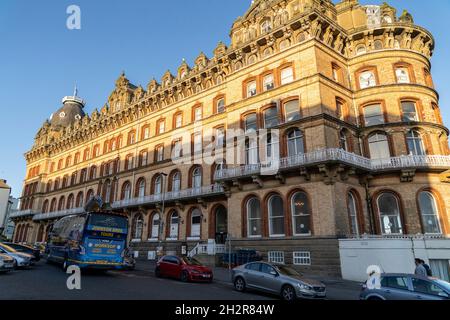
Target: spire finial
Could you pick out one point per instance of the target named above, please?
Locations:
(75, 90)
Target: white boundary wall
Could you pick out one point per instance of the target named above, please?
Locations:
(392, 255)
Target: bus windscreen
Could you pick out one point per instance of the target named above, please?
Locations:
(107, 223)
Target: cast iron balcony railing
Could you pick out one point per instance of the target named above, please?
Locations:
(214, 189)
(57, 214)
(328, 156)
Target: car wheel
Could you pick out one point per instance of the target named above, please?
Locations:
(288, 293)
(184, 276)
(15, 264)
(158, 273)
(239, 284)
(374, 299)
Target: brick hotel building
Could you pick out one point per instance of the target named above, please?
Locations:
(362, 146)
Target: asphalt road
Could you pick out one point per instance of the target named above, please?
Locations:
(48, 282)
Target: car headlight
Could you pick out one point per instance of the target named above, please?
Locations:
(1, 263)
(304, 286)
(195, 271)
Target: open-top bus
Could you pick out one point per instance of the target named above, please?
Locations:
(95, 239)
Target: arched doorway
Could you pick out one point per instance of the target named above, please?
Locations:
(221, 225)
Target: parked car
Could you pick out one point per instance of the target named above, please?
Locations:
(6, 263)
(35, 252)
(401, 286)
(20, 259)
(183, 268)
(277, 279)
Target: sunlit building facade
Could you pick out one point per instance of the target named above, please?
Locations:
(339, 135)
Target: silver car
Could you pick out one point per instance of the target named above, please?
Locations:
(401, 286)
(277, 279)
(21, 260)
(6, 263)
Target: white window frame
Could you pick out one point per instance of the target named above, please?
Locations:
(301, 258)
(275, 257)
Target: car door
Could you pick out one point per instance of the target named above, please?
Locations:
(396, 288)
(251, 274)
(270, 280)
(427, 290)
(164, 266)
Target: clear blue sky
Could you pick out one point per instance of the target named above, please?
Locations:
(40, 59)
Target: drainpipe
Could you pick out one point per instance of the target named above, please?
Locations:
(369, 208)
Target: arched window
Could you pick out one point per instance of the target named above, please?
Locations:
(415, 143)
(291, 110)
(131, 137)
(48, 188)
(61, 203)
(301, 214)
(409, 111)
(276, 216)
(89, 195)
(107, 191)
(367, 79)
(295, 144)
(92, 173)
(361, 49)
(45, 207)
(143, 158)
(174, 225)
(251, 122)
(389, 214)
(69, 204)
(266, 26)
(158, 185)
(141, 188)
(176, 181)
(154, 234)
(271, 117)
(220, 105)
(196, 220)
(138, 227)
(254, 218)
(429, 213)
(353, 210)
(126, 191)
(379, 146)
(79, 201)
(197, 178)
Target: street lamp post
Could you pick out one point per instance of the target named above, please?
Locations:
(161, 218)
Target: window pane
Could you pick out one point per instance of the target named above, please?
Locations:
(251, 89)
(430, 213)
(389, 214)
(254, 217)
(367, 79)
(295, 143)
(221, 106)
(409, 111)
(373, 115)
(301, 214)
(379, 146)
(287, 75)
(292, 110)
(276, 215)
(402, 75)
(250, 122)
(271, 117)
(268, 82)
(415, 144)
(353, 214)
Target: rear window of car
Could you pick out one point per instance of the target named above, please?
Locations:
(395, 283)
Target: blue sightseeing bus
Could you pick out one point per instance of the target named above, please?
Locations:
(94, 239)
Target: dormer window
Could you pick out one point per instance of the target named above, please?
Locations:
(387, 19)
(361, 49)
(266, 26)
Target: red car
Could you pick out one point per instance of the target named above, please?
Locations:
(183, 268)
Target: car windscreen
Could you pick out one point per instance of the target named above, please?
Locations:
(191, 261)
(7, 248)
(287, 271)
(108, 223)
(443, 284)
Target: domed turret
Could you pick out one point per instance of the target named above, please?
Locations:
(71, 110)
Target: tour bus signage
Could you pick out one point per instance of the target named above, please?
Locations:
(107, 229)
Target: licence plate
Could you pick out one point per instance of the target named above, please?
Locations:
(206, 276)
(8, 265)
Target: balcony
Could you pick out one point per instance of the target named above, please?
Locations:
(21, 214)
(57, 214)
(338, 156)
(186, 194)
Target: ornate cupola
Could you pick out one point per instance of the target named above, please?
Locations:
(71, 111)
